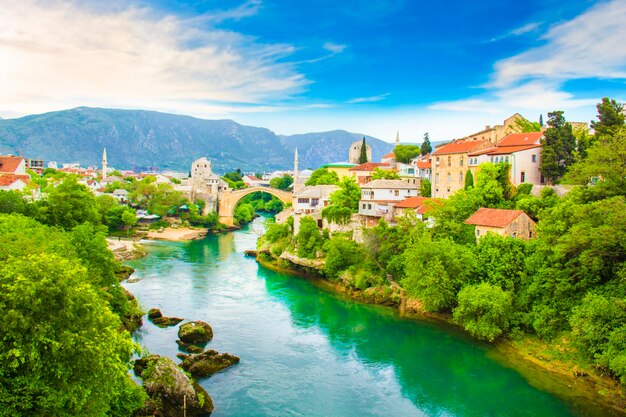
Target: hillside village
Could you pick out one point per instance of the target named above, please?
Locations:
(389, 187)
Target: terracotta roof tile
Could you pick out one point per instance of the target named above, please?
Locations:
(6, 180)
(412, 202)
(8, 164)
(520, 139)
(390, 155)
(459, 147)
(493, 217)
(424, 164)
(370, 166)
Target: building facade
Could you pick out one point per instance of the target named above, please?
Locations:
(450, 164)
(355, 152)
(513, 223)
(379, 197)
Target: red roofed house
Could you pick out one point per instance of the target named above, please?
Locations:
(514, 223)
(521, 150)
(379, 197)
(449, 165)
(13, 174)
(390, 158)
(252, 181)
(363, 173)
(419, 205)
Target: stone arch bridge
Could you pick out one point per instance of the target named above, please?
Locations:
(227, 201)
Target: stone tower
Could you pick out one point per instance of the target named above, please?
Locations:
(104, 163)
(355, 152)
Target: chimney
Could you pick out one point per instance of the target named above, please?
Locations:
(487, 127)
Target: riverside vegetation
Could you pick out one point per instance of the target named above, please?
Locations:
(560, 298)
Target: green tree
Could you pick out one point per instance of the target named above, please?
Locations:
(469, 179)
(244, 213)
(436, 271)
(363, 155)
(384, 174)
(524, 125)
(322, 176)
(129, 218)
(62, 352)
(309, 239)
(610, 116)
(502, 261)
(282, 183)
(342, 254)
(426, 147)
(12, 202)
(234, 176)
(425, 187)
(68, 205)
(558, 146)
(605, 162)
(343, 202)
(404, 153)
(484, 310)
(599, 329)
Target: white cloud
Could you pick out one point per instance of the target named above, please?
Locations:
(529, 27)
(590, 46)
(371, 99)
(335, 48)
(58, 55)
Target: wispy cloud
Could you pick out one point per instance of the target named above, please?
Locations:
(590, 46)
(246, 9)
(522, 30)
(58, 54)
(335, 48)
(371, 99)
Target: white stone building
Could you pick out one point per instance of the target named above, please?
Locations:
(378, 198)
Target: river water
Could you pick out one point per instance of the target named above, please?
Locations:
(307, 352)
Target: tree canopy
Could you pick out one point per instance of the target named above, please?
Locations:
(322, 176)
(404, 153)
(426, 147)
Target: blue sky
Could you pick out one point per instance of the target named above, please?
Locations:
(372, 67)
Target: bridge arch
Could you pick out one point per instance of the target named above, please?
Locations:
(227, 201)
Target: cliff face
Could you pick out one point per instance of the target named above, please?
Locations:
(139, 139)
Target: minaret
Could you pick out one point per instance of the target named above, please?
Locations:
(397, 138)
(295, 172)
(104, 163)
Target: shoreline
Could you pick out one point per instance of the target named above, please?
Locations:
(180, 234)
(580, 389)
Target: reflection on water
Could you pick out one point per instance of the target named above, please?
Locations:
(305, 352)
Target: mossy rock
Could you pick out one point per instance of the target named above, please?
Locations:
(190, 347)
(154, 313)
(169, 388)
(207, 363)
(123, 272)
(195, 332)
(166, 321)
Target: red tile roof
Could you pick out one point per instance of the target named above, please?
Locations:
(459, 147)
(390, 155)
(253, 178)
(6, 180)
(8, 164)
(493, 217)
(412, 202)
(520, 139)
(424, 164)
(370, 166)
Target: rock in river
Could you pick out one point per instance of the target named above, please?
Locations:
(170, 389)
(207, 363)
(158, 319)
(195, 332)
(190, 347)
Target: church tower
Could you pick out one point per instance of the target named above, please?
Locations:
(397, 138)
(104, 163)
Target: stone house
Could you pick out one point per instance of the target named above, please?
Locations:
(450, 164)
(421, 206)
(514, 223)
(312, 199)
(355, 152)
(363, 173)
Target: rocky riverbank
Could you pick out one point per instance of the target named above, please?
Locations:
(178, 234)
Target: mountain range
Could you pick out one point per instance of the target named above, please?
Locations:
(140, 139)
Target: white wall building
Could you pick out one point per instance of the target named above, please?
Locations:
(378, 198)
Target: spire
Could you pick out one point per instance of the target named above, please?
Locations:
(295, 171)
(104, 163)
(397, 138)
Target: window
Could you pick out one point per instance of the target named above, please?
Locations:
(449, 160)
(315, 201)
(437, 178)
(477, 232)
(303, 201)
(514, 234)
(460, 177)
(369, 206)
(507, 159)
(530, 234)
(449, 178)
(396, 193)
(364, 205)
(534, 158)
(491, 159)
(461, 161)
(522, 176)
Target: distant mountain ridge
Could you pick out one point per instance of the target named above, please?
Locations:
(141, 139)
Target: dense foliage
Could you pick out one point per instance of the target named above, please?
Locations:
(363, 153)
(343, 202)
(426, 147)
(322, 176)
(404, 153)
(282, 183)
(384, 174)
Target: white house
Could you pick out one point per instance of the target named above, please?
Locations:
(12, 183)
(312, 199)
(378, 198)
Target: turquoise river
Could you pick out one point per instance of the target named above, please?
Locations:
(307, 352)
